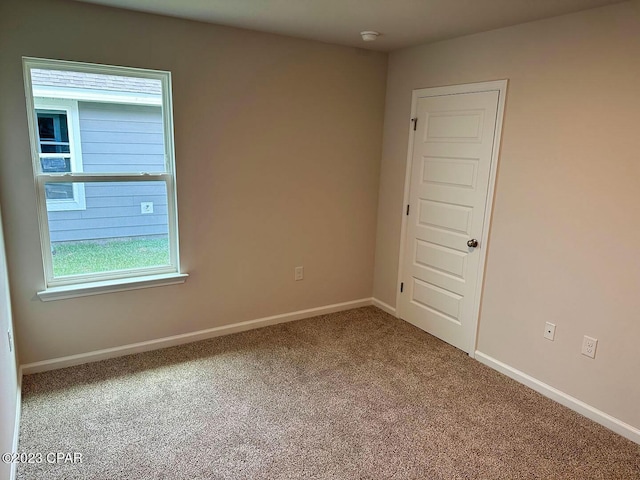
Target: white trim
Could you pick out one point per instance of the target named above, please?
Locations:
(170, 167)
(384, 306)
(106, 177)
(598, 416)
(501, 87)
(100, 96)
(87, 282)
(110, 286)
(405, 202)
(174, 340)
(16, 429)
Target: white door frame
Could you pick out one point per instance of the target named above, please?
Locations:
(501, 87)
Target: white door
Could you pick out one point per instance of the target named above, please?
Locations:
(450, 176)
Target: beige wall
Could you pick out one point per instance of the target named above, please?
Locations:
(278, 147)
(566, 223)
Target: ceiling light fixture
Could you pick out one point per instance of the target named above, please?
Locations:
(369, 35)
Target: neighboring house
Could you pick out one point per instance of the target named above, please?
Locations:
(100, 123)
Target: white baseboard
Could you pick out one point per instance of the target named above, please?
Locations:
(384, 306)
(598, 416)
(71, 360)
(16, 427)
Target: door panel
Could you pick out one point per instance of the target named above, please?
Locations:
(439, 258)
(449, 181)
(458, 172)
(444, 216)
(454, 126)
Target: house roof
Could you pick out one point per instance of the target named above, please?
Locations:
(94, 81)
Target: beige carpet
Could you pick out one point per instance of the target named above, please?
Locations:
(352, 395)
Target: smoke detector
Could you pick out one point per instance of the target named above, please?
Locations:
(369, 35)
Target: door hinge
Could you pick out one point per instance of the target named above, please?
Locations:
(407, 209)
(10, 340)
(401, 287)
(415, 123)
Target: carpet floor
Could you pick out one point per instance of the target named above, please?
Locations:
(351, 395)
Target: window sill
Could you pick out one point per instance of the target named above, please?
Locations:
(109, 286)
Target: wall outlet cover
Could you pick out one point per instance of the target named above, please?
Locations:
(589, 345)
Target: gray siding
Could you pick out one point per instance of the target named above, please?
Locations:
(95, 81)
(117, 138)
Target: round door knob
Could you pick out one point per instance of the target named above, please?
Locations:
(473, 243)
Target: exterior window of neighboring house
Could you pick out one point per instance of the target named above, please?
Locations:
(60, 150)
(103, 163)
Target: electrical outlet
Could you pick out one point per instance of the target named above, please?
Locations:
(589, 346)
(549, 331)
(10, 340)
(146, 207)
(298, 273)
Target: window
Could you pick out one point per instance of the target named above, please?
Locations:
(55, 150)
(60, 150)
(104, 171)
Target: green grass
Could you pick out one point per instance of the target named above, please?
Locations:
(73, 258)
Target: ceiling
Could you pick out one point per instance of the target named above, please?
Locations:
(402, 23)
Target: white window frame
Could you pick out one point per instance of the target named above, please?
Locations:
(70, 107)
(103, 282)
